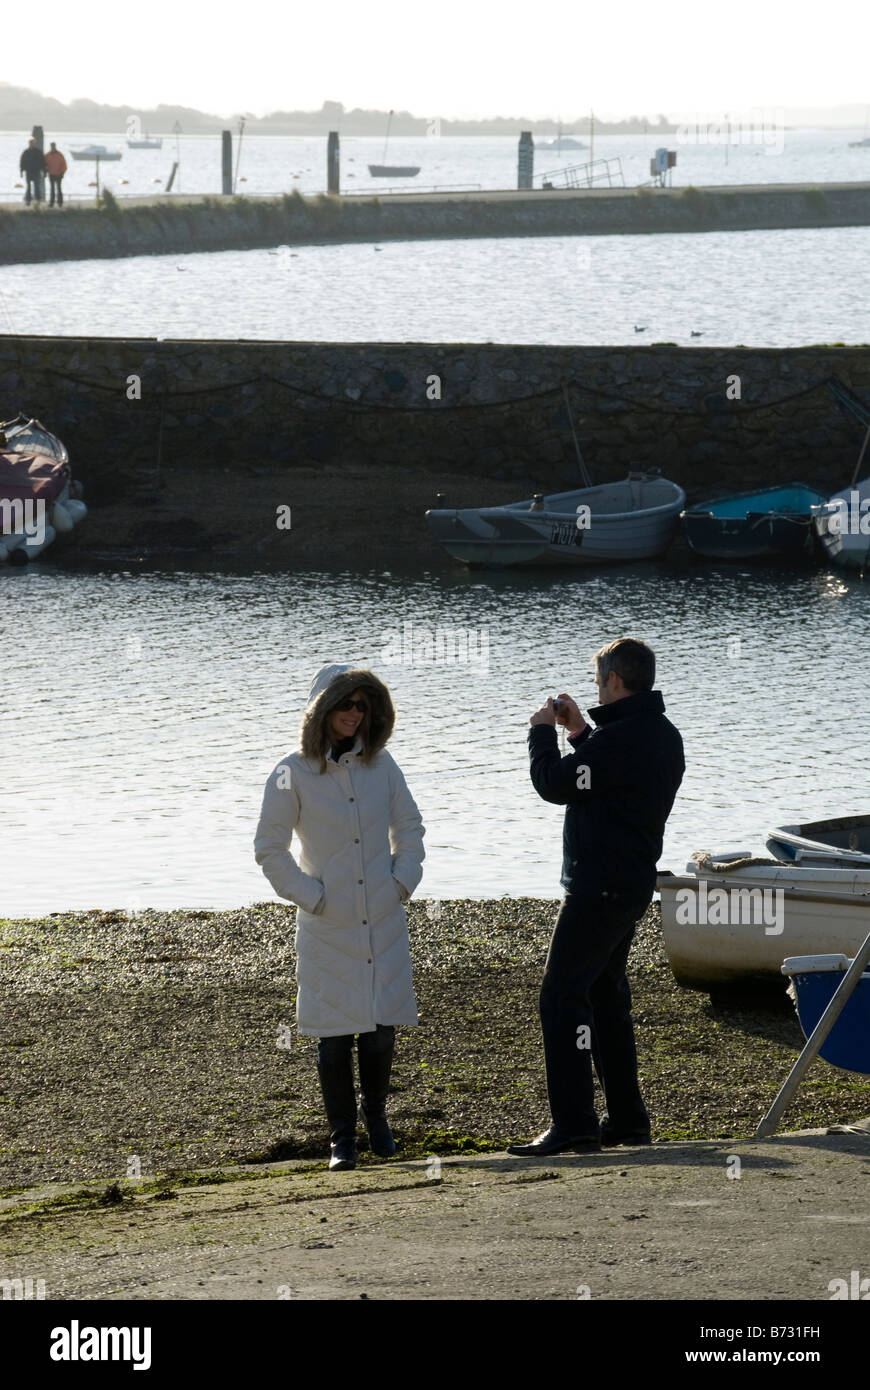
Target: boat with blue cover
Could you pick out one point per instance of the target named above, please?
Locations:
(765, 523)
(813, 982)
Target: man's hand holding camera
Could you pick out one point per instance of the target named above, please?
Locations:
(561, 710)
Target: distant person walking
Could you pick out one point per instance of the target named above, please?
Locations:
(32, 166)
(618, 786)
(55, 167)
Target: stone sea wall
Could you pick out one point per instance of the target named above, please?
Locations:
(214, 224)
(707, 417)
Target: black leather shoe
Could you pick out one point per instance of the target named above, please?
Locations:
(342, 1156)
(611, 1137)
(552, 1142)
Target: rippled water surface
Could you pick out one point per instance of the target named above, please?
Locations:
(141, 715)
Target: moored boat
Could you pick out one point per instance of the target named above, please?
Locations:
(633, 519)
(38, 497)
(824, 843)
(94, 152)
(726, 926)
(394, 171)
(843, 526)
(814, 979)
(765, 523)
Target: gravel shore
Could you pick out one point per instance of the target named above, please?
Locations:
(169, 1038)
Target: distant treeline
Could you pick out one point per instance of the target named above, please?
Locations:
(21, 109)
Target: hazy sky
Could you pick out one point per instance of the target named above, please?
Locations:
(447, 57)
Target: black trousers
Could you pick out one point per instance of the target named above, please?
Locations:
(55, 180)
(585, 1008)
(31, 190)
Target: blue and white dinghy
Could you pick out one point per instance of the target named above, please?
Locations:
(769, 523)
(813, 982)
(633, 519)
(838, 843)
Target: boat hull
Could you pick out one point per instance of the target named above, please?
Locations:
(819, 910)
(767, 524)
(553, 533)
(394, 171)
(815, 980)
(826, 843)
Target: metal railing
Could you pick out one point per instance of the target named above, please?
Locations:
(597, 171)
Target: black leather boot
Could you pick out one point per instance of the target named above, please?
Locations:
(375, 1062)
(335, 1069)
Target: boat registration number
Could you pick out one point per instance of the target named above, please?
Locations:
(565, 533)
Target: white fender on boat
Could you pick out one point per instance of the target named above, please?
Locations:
(61, 519)
(29, 549)
(76, 510)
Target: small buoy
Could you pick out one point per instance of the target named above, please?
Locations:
(243, 179)
(156, 180)
(18, 185)
(92, 184)
(123, 180)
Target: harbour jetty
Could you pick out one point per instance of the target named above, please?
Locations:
(190, 445)
(165, 225)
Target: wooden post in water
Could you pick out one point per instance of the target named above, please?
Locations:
(526, 160)
(226, 162)
(39, 137)
(333, 163)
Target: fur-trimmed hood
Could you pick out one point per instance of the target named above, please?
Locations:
(331, 686)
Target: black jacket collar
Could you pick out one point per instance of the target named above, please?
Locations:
(644, 702)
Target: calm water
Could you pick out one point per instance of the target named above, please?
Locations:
(761, 288)
(142, 713)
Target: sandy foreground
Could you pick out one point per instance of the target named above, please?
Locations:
(162, 1136)
(663, 1223)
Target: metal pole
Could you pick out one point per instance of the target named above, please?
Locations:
(239, 151)
(333, 162)
(526, 160)
(39, 139)
(176, 130)
(226, 162)
(814, 1041)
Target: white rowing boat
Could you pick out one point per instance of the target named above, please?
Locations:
(737, 926)
(634, 519)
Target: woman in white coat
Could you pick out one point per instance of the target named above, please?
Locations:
(360, 858)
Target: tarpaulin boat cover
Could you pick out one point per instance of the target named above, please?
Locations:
(31, 476)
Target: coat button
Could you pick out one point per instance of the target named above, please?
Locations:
(359, 880)
(350, 798)
(356, 842)
(369, 961)
(365, 922)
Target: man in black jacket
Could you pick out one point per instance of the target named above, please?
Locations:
(32, 166)
(619, 785)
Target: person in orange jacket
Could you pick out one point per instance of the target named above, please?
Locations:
(55, 167)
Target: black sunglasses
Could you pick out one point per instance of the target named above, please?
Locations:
(352, 704)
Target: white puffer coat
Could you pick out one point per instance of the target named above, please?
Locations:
(361, 852)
